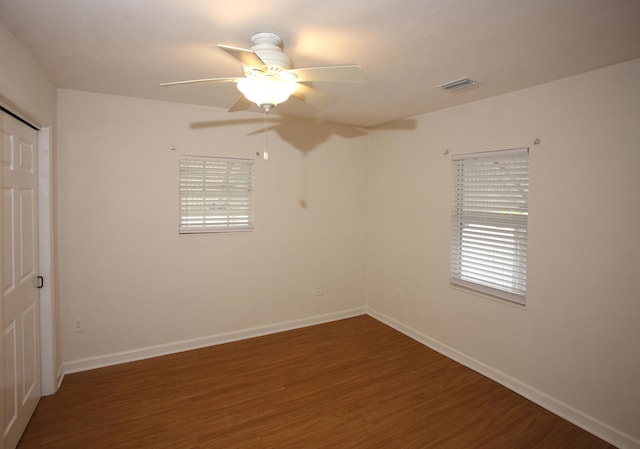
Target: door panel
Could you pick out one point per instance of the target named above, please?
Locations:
(8, 275)
(20, 300)
(30, 340)
(27, 237)
(9, 364)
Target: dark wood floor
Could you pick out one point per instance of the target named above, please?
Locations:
(354, 383)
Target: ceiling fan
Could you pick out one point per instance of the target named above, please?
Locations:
(269, 78)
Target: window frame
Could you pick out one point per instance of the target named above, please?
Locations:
(215, 195)
(489, 223)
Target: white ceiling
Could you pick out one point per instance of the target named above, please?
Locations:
(406, 47)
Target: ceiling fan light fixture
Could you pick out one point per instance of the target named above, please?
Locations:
(266, 92)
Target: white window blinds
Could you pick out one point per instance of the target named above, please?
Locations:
(489, 222)
(216, 194)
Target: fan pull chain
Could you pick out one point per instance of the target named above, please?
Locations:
(265, 154)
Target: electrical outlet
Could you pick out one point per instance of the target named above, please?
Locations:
(398, 293)
(319, 290)
(78, 324)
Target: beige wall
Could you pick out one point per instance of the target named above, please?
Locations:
(576, 344)
(24, 83)
(137, 284)
(26, 90)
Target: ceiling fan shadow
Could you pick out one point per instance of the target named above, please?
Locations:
(231, 122)
(306, 135)
(303, 134)
(407, 124)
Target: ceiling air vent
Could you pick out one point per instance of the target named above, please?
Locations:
(458, 84)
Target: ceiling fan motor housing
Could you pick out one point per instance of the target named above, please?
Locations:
(269, 78)
(268, 46)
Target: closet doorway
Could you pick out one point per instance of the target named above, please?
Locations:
(19, 277)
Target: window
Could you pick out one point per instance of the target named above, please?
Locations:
(216, 194)
(489, 222)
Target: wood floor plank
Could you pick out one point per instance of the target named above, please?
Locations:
(353, 383)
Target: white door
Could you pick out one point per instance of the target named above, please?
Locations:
(20, 312)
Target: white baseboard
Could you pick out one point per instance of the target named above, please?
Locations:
(101, 361)
(571, 414)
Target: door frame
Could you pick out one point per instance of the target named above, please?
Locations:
(50, 375)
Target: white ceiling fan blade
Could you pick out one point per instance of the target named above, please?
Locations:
(336, 74)
(313, 97)
(242, 104)
(205, 80)
(247, 57)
